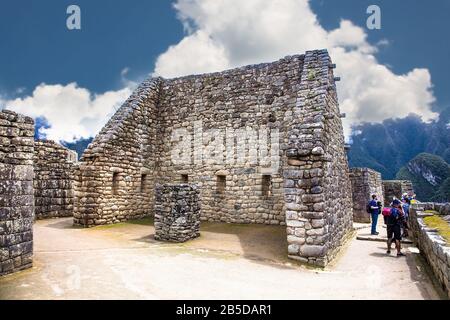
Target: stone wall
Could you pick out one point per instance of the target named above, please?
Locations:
(16, 191)
(124, 154)
(53, 175)
(317, 184)
(264, 143)
(432, 246)
(177, 212)
(395, 188)
(365, 183)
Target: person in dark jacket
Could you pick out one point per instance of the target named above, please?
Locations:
(394, 223)
(374, 212)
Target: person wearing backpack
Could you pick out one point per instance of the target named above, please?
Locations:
(394, 223)
(405, 206)
(374, 210)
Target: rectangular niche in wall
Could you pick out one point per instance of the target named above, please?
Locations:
(184, 178)
(221, 184)
(266, 186)
(115, 183)
(143, 182)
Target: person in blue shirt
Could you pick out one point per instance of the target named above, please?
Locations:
(374, 212)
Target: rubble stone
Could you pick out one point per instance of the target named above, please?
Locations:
(16, 191)
(292, 102)
(365, 183)
(177, 212)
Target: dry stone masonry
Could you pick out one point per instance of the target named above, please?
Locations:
(53, 170)
(396, 188)
(177, 212)
(264, 143)
(16, 192)
(432, 246)
(365, 183)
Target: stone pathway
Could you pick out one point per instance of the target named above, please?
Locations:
(226, 262)
(364, 233)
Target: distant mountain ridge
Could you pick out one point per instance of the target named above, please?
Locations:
(430, 175)
(390, 145)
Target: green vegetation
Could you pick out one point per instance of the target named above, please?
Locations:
(442, 226)
(444, 190)
(311, 75)
(388, 146)
(428, 166)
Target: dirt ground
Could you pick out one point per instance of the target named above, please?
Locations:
(227, 262)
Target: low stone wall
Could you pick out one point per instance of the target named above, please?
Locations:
(432, 246)
(53, 169)
(16, 192)
(177, 212)
(395, 188)
(365, 183)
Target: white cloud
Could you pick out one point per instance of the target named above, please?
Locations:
(201, 54)
(72, 112)
(223, 34)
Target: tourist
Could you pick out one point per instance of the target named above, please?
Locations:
(405, 206)
(394, 221)
(374, 212)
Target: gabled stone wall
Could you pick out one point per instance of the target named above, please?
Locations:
(124, 150)
(365, 183)
(53, 175)
(285, 111)
(16, 191)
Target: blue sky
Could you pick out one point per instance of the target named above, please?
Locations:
(128, 37)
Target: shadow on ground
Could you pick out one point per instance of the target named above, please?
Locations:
(265, 244)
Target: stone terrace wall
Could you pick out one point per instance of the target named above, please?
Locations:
(365, 183)
(177, 212)
(309, 190)
(432, 246)
(16, 191)
(53, 175)
(395, 188)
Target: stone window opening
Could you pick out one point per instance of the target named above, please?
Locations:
(143, 183)
(115, 183)
(221, 184)
(184, 178)
(266, 186)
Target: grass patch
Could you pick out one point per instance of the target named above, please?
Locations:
(442, 226)
(431, 211)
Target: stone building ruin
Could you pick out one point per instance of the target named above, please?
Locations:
(35, 182)
(53, 175)
(264, 143)
(365, 183)
(16, 192)
(259, 144)
(396, 188)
